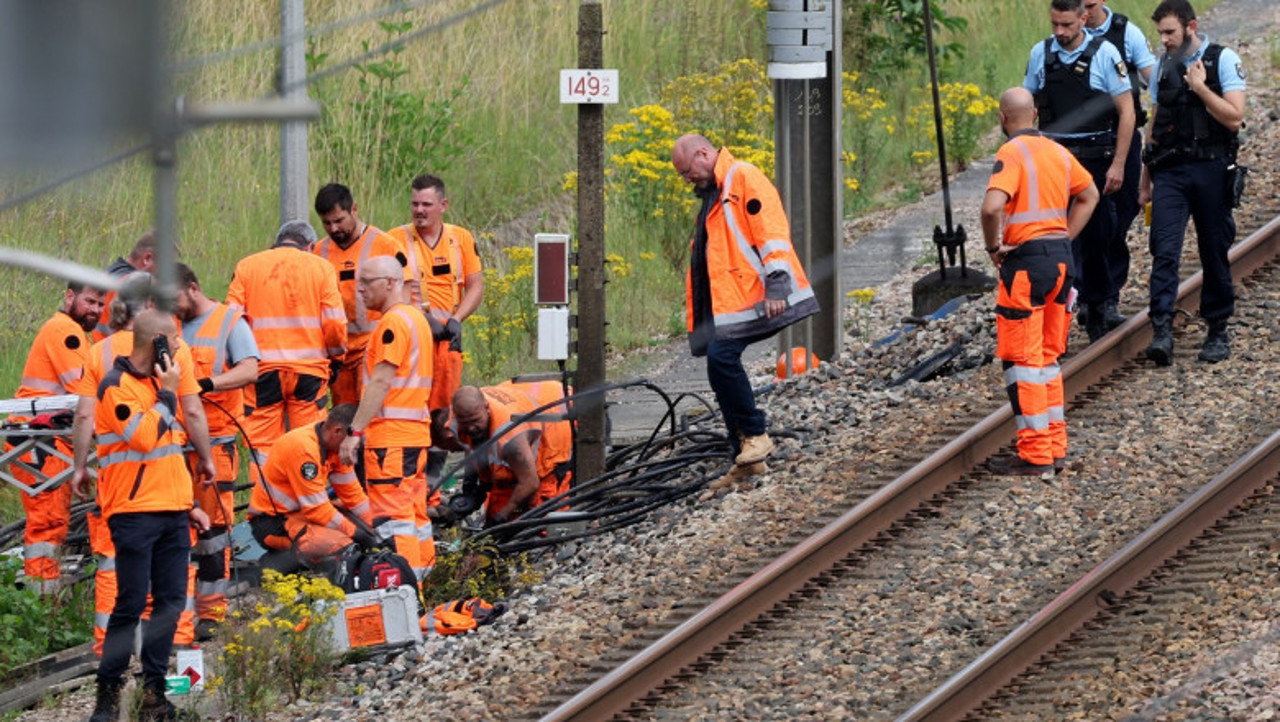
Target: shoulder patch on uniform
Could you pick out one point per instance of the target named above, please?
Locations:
(309, 470)
(1122, 70)
(401, 258)
(1240, 71)
(122, 412)
(999, 166)
(72, 342)
(388, 336)
(753, 206)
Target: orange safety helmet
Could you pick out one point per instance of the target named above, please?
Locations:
(799, 364)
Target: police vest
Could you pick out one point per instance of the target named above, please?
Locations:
(1183, 125)
(1115, 35)
(1067, 103)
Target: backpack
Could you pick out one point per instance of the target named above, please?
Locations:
(359, 571)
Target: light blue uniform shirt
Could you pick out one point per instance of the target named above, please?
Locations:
(1136, 47)
(1230, 69)
(1104, 73)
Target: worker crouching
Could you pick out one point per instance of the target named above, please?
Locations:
(290, 512)
(526, 463)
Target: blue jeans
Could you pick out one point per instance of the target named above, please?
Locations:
(152, 551)
(1197, 190)
(733, 390)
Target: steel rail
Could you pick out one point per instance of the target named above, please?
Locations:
(981, 679)
(651, 667)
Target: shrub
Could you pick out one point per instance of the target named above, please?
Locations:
(32, 625)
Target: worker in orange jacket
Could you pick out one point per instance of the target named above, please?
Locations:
(1038, 200)
(744, 284)
(527, 463)
(392, 419)
(226, 360)
(449, 288)
(134, 297)
(291, 301)
(145, 492)
(291, 512)
(56, 360)
(142, 257)
(350, 245)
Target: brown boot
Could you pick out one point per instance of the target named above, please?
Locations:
(754, 449)
(736, 473)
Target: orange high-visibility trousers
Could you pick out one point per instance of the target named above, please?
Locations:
(211, 553)
(396, 482)
(280, 401)
(48, 515)
(1031, 333)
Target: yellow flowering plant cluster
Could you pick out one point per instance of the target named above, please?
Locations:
(967, 114)
(506, 324)
(869, 124)
(281, 651)
(476, 570)
(733, 107)
(860, 302)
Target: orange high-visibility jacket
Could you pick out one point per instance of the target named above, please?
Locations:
(140, 461)
(291, 301)
(442, 271)
(56, 360)
(1040, 177)
(297, 477)
(749, 253)
(209, 351)
(346, 263)
(402, 339)
(551, 441)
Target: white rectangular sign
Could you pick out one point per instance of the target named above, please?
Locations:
(588, 86)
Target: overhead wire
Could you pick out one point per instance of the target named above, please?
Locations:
(400, 42)
(195, 63)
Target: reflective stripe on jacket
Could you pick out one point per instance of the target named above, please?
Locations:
(1040, 177)
(402, 339)
(299, 475)
(749, 252)
(347, 262)
(290, 298)
(209, 352)
(141, 467)
(56, 360)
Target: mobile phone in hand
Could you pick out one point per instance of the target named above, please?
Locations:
(161, 346)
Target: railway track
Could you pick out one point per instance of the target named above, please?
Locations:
(727, 657)
(1107, 618)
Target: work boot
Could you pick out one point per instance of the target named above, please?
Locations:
(1096, 322)
(754, 449)
(1113, 317)
(1017, 466)
(206, 629)
(107, 706)
(1161, 348)
(157, 708)
(1082, 316)
(737, 473)
(1217, 344)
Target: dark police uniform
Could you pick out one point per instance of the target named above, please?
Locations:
(1189, 161)
(1136, 52)
(1074, 94)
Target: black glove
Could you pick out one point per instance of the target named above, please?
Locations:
(455, 339)
(442, 516)
(439, 332)
(206, 385)
(365, 538)
(335, 365)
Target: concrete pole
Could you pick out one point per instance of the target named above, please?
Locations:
(293, 135)
(591, 314)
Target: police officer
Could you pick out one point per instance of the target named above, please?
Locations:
(1138, 60)
(1082, 94)
(1197, 111)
